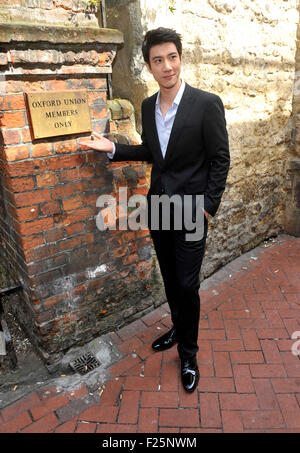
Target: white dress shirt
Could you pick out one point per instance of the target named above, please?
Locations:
(163, 124)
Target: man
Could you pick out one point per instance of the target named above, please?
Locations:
(184, 136)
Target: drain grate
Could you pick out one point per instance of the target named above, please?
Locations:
(85, 363)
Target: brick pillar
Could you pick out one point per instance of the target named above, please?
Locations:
(78, 282)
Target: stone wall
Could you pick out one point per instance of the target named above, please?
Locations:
(244, 51)
(67, 13)
(292, 218)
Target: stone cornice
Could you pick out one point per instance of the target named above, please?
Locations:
(19, 32)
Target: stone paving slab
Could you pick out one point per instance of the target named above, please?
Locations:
(249, 377)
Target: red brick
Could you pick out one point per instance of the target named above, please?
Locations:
(211, 334)
(250, 339)
(39, 410)
(75, 228)
(129, 407)
(86, 427)
(232, 329)
(215, 384)
(291, 366)
(179, 417)
(86, 171)
(43, 425)
(215, 320)
(228, 345)
(11, 137)
(14, 153)
(55, 163)
(15, 424)
(76, 241)
(124, 364)
(232, 422)
(267, 370)
(70, 175)
(41, 149)
(26, 135)
(116, 428)
(159, 399)
(242, 379)
(286, 385)
(98, 413)
(130, 345)
(153, 365)
(35, 226)
(76, 215)
(236, 401)
(30, 198)
(12, 102)
(29, 167)
(274, 318)
(222, 364)
(111, 392)
(12, 120)
(67, 427)
(39, 253)
(272, 333)
(262, 419)
(246, 357)
(30, 242)
(46, 179)
(72, 202)
(265, 394)
(24, 214)
(292, 325)
(54, 235)
(21, 184)
(65, 190)
(65, 146)
(141, 383)
(50, 208)
(270, 351)
(169, 377)
(20, 406)
(131, 329)
(209, 410)
(148, 420)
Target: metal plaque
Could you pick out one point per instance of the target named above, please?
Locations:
(58, 113)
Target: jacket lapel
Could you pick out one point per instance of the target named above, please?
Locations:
(151, 123)
(181, 117)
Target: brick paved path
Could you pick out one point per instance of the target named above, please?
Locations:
(249, 378)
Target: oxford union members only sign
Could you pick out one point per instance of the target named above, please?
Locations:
(58, 113)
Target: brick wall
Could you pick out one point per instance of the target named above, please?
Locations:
(77, 281)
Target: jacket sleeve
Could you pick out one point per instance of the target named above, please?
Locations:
(134, 152)
(217, 148)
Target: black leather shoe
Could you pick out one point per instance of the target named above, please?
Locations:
(189, 374)
(166, 341)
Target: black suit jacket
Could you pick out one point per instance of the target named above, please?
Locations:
(197, 157)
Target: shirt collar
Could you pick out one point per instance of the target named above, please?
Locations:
(177, 97)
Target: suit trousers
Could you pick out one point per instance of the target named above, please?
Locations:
(180, 263)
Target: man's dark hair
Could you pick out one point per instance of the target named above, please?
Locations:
(158, 36)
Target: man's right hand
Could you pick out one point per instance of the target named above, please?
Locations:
(100, 144)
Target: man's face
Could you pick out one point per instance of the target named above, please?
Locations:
(165, 64)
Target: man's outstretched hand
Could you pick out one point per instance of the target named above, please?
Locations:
(99, 144)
